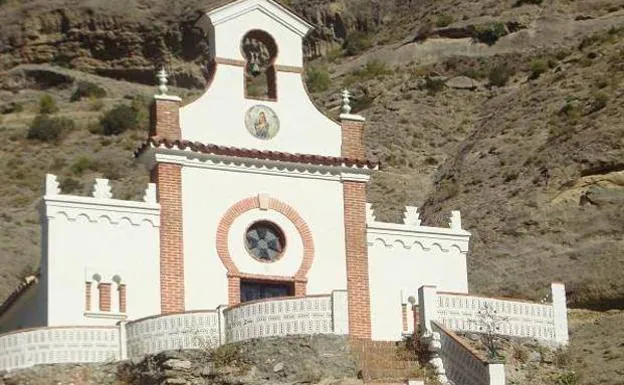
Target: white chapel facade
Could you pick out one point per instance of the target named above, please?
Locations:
(255, 195)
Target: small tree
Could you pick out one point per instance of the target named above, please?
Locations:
(317, 79)
(49, 129)
(47, 105)
(356, 43)
(489, 326)
(87, 90)
(118, 120)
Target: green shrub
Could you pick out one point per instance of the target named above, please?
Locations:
(499, 75)
(489, 33)
(87, 90)
(12, 107)
(82, 164)
(599, 102)
(47, 105)
(317, 79)
(373, 69)
(444, 20)
(70, 185)
(49, 129)
(538, 67)
(118, 120)
(433, 85)
(356, 43)
(95, 104)
(568, 378)
(361, 103)
(519, 3)
(140, 105)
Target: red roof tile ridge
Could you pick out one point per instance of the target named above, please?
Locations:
(209, 148)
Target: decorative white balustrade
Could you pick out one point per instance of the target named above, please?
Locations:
(59, 345)
(462, 312)
(326, 314)
(516, 318)
(461, 364)
(310, 315)
(194, 330)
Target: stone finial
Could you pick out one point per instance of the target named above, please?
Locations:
(411, 216)
(346, 102)
(52, 185)
(456, 223)
(102, 189)
(150, 193)
(162, 76)
(370, 213)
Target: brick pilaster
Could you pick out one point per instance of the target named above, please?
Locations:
(234, 293)
(105, 296)
(357, 259)
(404, 316)
(165, 121)
(122, 298)
(168, 179)
(353, 145)
(88, 296)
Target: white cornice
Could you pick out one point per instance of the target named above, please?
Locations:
(391, 234)
(268, 7)
(189, 158)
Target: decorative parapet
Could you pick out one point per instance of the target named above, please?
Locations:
(59, 345)
(462, 312)
(461, 365)
(192, 330)
(279, 317)
(101, 205)
(411, 234)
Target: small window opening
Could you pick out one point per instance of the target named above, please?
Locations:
(260, 51)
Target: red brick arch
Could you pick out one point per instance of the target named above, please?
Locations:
(234, 275)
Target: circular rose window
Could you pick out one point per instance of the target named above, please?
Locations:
(265, 241)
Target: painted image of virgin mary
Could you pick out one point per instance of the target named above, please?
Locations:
(261, 126)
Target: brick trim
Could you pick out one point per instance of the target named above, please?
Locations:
(353, 145)
(234, 275)
(88, 296)
(122, 298)
(168, 178)
(165, 119)
(105, 296)
(357, 259)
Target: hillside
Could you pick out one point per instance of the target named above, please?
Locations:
(510, 111)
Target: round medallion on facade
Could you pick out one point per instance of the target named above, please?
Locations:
(265, 241)
(262, 122)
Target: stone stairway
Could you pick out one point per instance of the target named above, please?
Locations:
(386, 362)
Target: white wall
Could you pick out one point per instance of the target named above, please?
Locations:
(401, 259)
(218, 116)
(207, 196)
(107, 236)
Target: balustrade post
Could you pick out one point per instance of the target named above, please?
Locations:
(222, 326)
(560, 313)
(496, 373)
(427, 307)
(123, 340)
(340, 313)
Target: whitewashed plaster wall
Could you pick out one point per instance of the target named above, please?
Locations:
(100, 235)
(307, 131)
(212, 192)
(403, 257)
